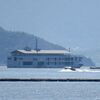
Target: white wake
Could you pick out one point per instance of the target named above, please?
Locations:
(80, 70)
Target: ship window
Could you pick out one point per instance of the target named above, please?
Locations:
(27, 63)
(80, 58)
(48, 63)
(35, 59)
(75, 58)
(71, 59)
(48, 59)
(67, 63)
(9, 58)
(67, 59)
(71, 63)
(59, 63)
(15, 58)
(20, 58)
(59, 58)
(40, 63)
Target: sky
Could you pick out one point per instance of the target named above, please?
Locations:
(73, 24)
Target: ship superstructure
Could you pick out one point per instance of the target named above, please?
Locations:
(28, 58)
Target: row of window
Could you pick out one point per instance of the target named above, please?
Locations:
(66, 59)
(49, 63)
(60, 63)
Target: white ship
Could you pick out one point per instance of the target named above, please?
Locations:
(28, 58)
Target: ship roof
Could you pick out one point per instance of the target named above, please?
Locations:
(42, 51)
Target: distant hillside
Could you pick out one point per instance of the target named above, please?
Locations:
(10, 41)
(18, 40)
(87, 61)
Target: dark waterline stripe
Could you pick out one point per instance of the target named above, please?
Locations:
(48, 80)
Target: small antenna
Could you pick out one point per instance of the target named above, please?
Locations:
(36, 48)
(36, 44)
(69, 50)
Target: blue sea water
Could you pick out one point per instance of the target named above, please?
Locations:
(48, 90)
(46, 73)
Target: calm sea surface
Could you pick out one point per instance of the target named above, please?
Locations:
(48, 90)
